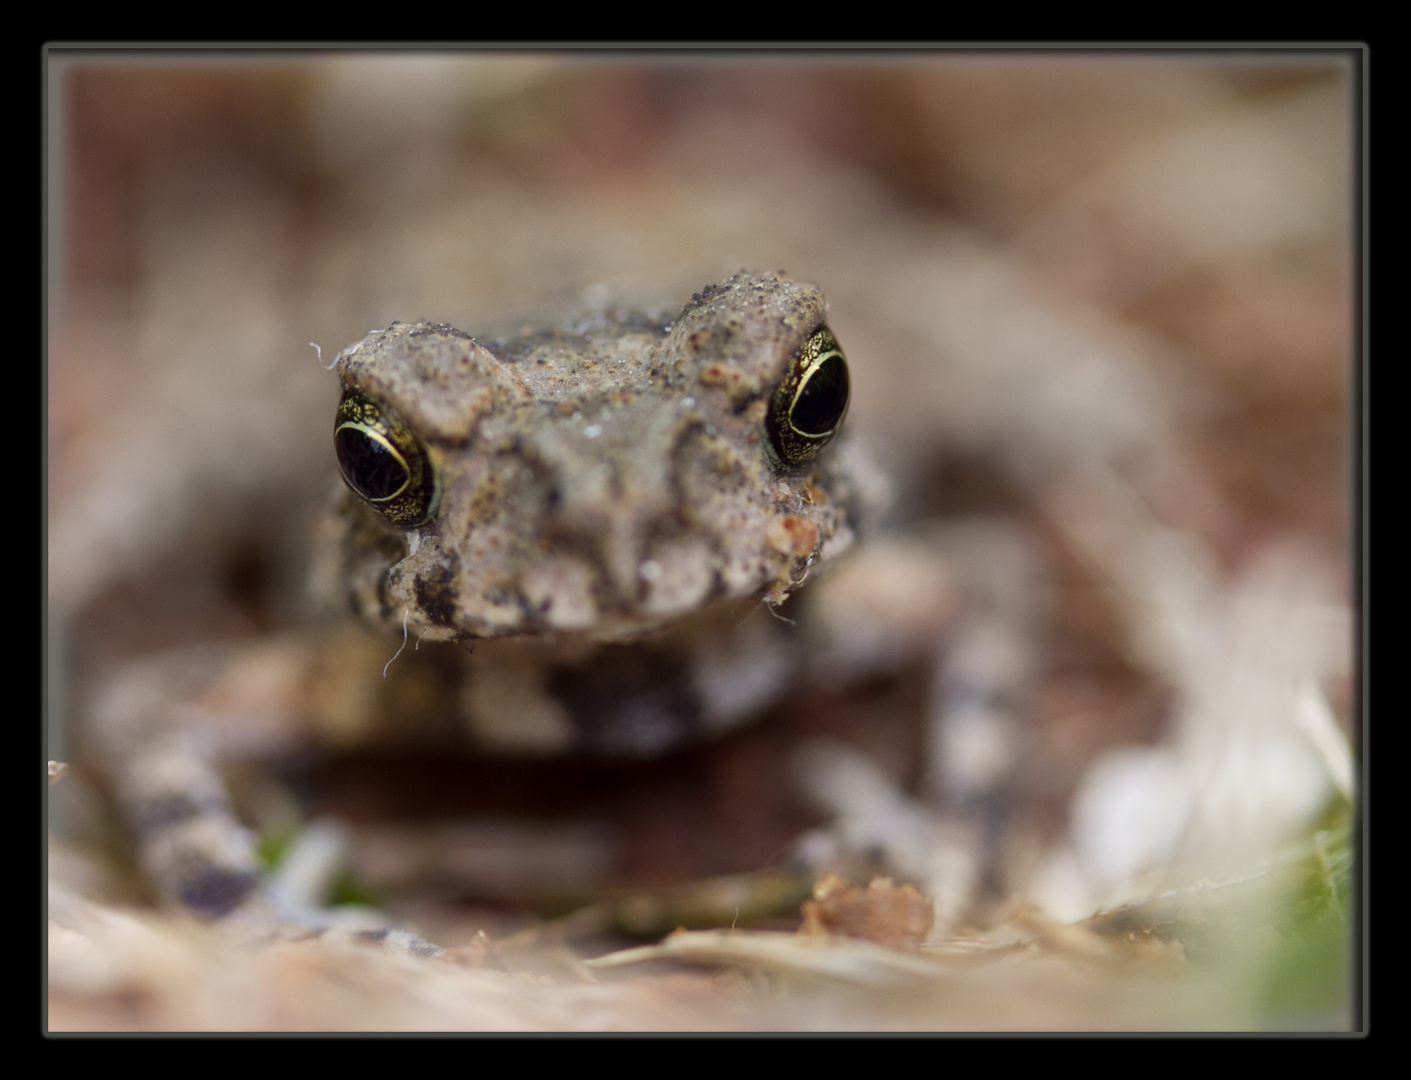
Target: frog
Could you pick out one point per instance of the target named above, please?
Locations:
(593, 510)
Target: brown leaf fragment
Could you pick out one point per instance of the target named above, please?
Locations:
(894, 916)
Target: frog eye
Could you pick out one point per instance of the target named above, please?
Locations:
(384, 463)
(809, 404)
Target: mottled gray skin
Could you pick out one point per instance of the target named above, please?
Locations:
(603, 479)
(609, 511)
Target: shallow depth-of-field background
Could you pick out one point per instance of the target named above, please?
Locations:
(1104, 299)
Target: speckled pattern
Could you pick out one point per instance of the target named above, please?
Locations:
(605, 477)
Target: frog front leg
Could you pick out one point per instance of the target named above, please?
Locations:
(966, 603)
(165, 726)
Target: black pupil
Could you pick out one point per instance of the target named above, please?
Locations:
(823, 398)
(369, 466)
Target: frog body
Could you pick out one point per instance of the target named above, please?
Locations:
(594, 511)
